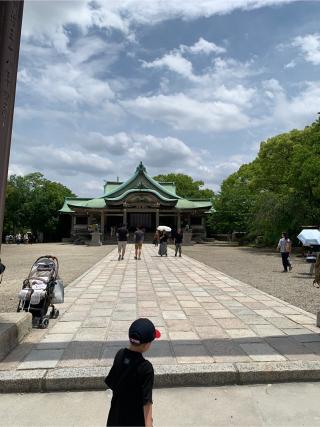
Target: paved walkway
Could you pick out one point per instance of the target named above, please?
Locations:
(204, 317)
(283, 405)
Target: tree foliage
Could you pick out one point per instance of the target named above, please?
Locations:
(186, 186)
(32, 203)
(278, 191)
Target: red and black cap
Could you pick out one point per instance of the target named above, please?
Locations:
(143, 331)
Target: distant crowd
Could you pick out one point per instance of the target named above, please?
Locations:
(20, 238)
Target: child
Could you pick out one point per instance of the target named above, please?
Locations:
(131, 379)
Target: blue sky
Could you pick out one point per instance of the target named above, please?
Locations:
(185, 86)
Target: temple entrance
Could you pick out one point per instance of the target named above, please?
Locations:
(145, 219)
(168, 220)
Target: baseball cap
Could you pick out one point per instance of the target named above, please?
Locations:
(143, 331)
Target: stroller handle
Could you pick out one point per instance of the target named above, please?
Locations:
(52, 257)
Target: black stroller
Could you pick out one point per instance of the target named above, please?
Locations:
(40, 290)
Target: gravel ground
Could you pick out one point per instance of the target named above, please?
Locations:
(18, 259)
(263, 270)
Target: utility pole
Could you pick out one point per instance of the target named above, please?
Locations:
(10, 32)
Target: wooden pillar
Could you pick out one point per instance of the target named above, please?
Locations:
(73, 223)
(125, 216)
(10, 32)
(203, 223)
(157, 218)
(178, 220)
(102, 225)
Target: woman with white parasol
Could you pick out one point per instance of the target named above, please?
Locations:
(163, 239)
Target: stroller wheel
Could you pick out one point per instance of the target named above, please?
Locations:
(54, 314)
(44, 323)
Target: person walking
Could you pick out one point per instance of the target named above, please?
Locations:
(163, 239)
(178, 238)
(156, 238)
(122, 237)
(131, 378)
(285, 246)
(138, 241)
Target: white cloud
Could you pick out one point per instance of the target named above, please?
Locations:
(184, 113)
(291, 64)
(238, 94)
(292, 111)
(117, 144)
(51, 18)
(203, 46)
(174, 61)
(62, 161)
(309, 46)
(16, 169)
(47, 21)
(154, 150)
(65, 82)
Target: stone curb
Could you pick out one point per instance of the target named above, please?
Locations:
(196, 375)
(13, 328)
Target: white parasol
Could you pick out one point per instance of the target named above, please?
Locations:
(163, 228)
(309, 237)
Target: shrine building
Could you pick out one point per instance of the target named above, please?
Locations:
(140, 200)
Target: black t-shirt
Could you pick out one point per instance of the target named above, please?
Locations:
(122, 234)
(178, 237)
(131, 380)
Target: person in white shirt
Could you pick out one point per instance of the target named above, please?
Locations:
(284, 246)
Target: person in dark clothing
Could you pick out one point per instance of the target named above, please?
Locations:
(131, 379)
(122, 236)
(138, 241)
(163, 239)
(178, 238)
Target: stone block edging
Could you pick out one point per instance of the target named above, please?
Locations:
(218, 374)
(13, 328)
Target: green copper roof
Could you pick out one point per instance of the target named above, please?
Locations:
(169, 186)
(191, 204)
(141, 180)
(140, 183)
(70, 201)
(110, 186)
(140, 190)
(97, 203)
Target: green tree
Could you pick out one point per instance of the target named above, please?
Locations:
(278, 191)
(186, 186)
(32, 202)
(232, 206)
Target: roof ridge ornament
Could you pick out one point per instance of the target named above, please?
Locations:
(141, 168)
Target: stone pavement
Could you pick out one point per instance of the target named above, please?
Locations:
(205, 317)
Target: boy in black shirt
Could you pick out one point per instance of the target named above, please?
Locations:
(131, 379)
